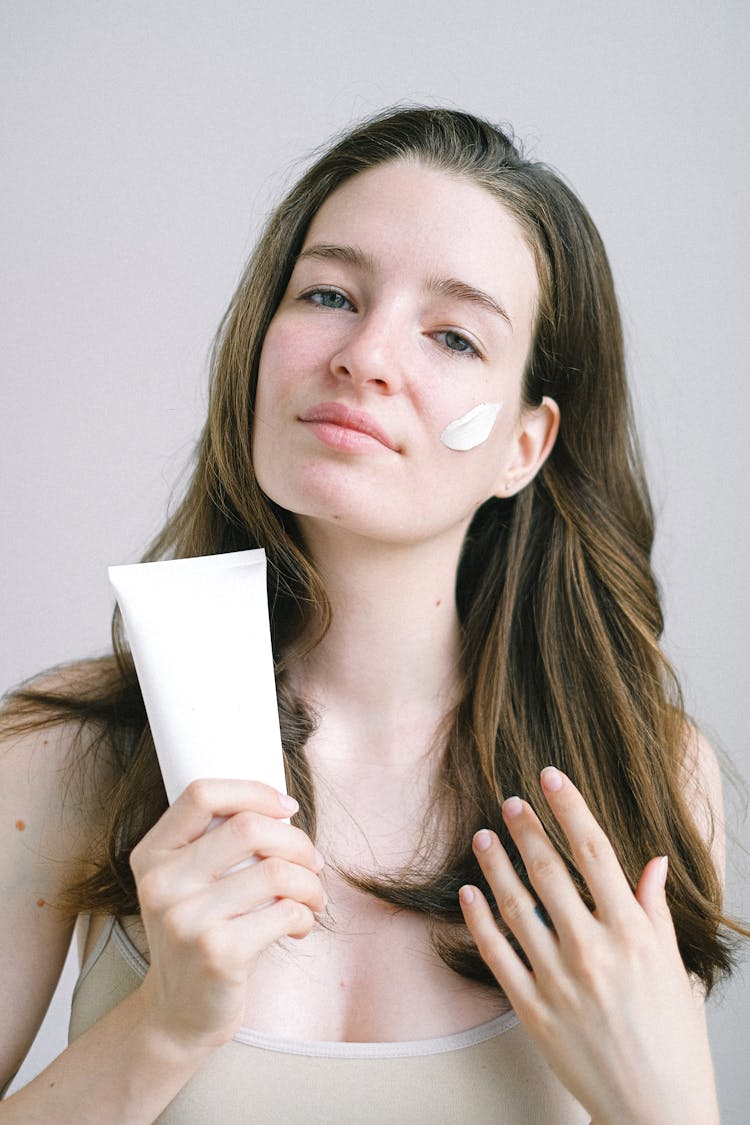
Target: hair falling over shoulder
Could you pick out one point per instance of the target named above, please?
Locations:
(557, 602)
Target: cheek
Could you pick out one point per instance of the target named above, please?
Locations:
(294, 345)
(281, 369)
(276, 355)
(472, 428)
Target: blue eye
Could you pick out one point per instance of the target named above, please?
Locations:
(327, 298)
(458, 344)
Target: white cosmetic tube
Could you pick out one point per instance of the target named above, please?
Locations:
(200, 637)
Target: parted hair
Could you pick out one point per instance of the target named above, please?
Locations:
(559, 610)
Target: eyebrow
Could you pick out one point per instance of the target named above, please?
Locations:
(460, 291)
(350, 255)
(444, 286)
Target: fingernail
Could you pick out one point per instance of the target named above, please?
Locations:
(466, 895)
(482, 840)
(551, 779)
(663, 868)
(512, 807)
(288, 803)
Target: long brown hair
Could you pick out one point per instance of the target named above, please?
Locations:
(557, 602)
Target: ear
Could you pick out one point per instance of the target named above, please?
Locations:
(536, 435)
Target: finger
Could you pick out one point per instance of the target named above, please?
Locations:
(547, 872)
(593, 854)
(517, 907)
(242, 835)
(250, 933)
(651, 895)
(208, 798)
(231, 945)
(495, 949)
(249, 888)
(248, 892)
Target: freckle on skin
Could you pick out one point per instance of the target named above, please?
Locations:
(20, 825)
(342, 984)
(439, 602)
(40, 902)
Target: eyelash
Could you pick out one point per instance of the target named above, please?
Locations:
(472, 353)
(324, 291)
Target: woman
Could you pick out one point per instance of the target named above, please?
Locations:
(419, 409)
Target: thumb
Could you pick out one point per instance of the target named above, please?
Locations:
(651, 895)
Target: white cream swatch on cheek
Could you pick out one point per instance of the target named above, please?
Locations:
(472, 428)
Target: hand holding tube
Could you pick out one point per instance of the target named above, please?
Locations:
(205, 927)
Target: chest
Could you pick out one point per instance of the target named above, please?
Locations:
(367, 973)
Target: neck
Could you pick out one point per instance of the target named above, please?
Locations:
(392, 651)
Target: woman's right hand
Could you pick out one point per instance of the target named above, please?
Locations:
(205, 927)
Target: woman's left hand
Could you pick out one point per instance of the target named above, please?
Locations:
(607, 999)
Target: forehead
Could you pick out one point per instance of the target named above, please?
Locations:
(411, 218)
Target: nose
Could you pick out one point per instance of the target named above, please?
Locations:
(372, 354)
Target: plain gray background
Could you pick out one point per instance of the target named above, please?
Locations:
(143, 145)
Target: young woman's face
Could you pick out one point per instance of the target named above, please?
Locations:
(412, 303)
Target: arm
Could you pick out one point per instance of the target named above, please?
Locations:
(109, 1074)
(124, 1069)
(204, 931)
(117, 1070)
(42, 840)
(607, 999)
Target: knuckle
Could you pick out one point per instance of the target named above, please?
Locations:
(593, 847)
(197, 794)
(511, 906)
(290, 880)
(489, 946)
(152, 890)
(177, 929)
(244, 825)
(275, 871)
(638, 941)
(210, 949)
(541, 868)
(585, 964)
(298, 919)
(302, 840)
(582, 953)
(308, 854)
(488, 953)
(593, 971)
(316, 896)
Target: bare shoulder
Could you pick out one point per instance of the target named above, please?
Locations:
(701, 777)
(49, 780)
(50, 816)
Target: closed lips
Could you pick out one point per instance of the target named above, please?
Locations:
(337, 414)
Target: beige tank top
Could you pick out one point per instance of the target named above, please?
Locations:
(490, 1074)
